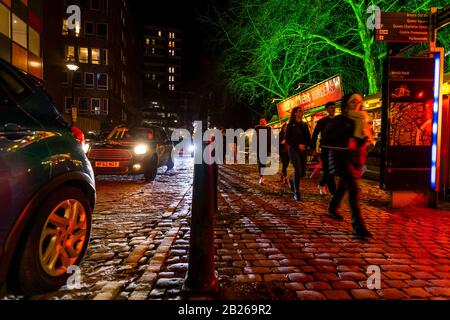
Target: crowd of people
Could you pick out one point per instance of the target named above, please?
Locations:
(343, 144)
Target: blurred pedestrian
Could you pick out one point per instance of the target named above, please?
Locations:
(284, 154)
(344, 148)
(263, 135)
(298, 137)
(327, 179)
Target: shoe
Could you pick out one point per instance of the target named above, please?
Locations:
(361, 233)
(298, 197)
(262, 182)
(336, 216)
(322, 190)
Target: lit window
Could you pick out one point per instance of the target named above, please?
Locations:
(160, 34)
(153, 51)
(153, 77)
(19, 31)
(171, 87)
(172, 35)
(83, 55)
(172, 70)
(147, 41)
(153, 42)
(34, 41)
(171, 79)
(65, 28)
(70, 53)
(95, 56)
(5, 21)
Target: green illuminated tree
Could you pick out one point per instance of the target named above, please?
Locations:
(271, 46)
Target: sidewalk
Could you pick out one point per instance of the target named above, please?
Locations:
(270, 247)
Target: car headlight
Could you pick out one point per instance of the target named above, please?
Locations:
(141, 149)
(86, 147)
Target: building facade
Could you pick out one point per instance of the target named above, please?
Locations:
(162, 70)
(21, 34)
(105, 88)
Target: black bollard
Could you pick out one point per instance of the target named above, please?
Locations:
(201, 277)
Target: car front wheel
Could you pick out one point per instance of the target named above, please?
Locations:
(152, 169)
(58, 239)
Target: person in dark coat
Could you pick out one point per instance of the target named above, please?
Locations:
(298, 137)
(342, 145)
(284, 154)
(328, 178)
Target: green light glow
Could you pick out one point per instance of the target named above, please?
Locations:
(270, 46)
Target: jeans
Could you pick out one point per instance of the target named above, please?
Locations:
(285, 162)
(328, 178)
(298, 160)
(346, 182)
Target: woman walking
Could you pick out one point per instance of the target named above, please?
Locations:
(343, 137)
(298, 138)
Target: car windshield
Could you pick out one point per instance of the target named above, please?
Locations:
(127, 134)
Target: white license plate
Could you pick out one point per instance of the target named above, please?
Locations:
(107, 164)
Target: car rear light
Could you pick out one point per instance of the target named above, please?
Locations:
(78, 134)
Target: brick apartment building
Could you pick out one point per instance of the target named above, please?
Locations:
(107, 86)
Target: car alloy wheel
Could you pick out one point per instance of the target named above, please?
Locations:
(63, 237)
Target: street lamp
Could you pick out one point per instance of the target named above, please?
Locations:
(72, 67)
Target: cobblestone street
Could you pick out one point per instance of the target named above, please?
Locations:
(267, 245)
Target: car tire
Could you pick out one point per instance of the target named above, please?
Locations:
(151, 170)
(33, 275)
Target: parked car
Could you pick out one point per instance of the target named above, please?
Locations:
(139, 150)
(47, 189)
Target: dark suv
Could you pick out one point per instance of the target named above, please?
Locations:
(47, 189)
(139, 150)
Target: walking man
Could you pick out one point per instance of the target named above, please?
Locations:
(328, 178)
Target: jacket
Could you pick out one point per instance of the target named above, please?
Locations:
(297, 134)
(320, 129)
(337, 134)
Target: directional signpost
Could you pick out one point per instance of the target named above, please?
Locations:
(403, 27)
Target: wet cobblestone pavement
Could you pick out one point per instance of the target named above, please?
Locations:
(270, 246)
(267, 245)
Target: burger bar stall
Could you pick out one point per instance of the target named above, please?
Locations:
(312, 101)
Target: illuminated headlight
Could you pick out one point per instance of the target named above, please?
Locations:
(86, 147)
(191, 148)
(141, 149)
